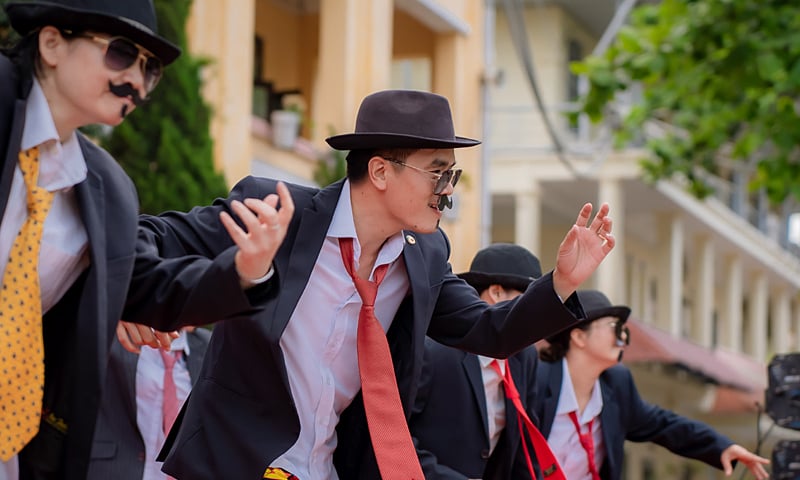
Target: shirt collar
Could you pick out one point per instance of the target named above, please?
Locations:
(62, 165)
(567, 402)
(181, 344)
(343, 226)
(487, 361)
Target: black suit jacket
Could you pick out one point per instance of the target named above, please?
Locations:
(78, 331)
(118, 451)
(625, 416)
(449, 422)
(240, 415)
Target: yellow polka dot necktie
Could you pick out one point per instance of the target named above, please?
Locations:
(21, 344)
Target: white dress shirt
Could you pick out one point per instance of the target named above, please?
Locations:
(319, 343)
(64, 251)
(563, 438)
(495, 399)
(150, 398)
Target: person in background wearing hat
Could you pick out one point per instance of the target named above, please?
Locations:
(78, 62)
(289, 389)
(587, 403)
(463, 424)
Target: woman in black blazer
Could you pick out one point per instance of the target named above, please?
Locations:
(591, 351)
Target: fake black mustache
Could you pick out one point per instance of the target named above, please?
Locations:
(126, 90)
(445, 202)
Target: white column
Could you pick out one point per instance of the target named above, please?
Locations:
(610, 275)
(636, 288)
(670, 274)
(781, 322)
(756, 340)
(528, 219)
(730, 324)
(703, 292)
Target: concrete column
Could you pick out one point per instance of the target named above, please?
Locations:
(703, 292)
(781, 322)
(528, 219)
(224, 31)
(636, 288)
(757, 300)
(610, 275)
(457, 65)
(670, 274)
(795, 315)
(355, 59)
(730, 324)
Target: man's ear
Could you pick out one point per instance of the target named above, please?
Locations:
(376, 170)
(50, 42)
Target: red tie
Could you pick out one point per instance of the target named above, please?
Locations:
(587, 442)
(171, 405)
(391, 440)
(547, 460)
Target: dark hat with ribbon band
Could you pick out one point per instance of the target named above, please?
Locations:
(132, 19)
(503, 264)
(402, 119)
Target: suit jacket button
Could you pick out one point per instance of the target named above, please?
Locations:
(485, 453)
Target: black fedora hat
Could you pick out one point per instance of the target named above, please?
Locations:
(597, 305)
(402, 119)
(503, 264)
(132, 19)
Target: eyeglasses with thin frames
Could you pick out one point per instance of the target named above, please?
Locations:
(121, 53)
(441, 180)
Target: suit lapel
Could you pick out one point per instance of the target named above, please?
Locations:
(419, 280)
(14, 138)
(609, 423)
(554, 374)
(472, 370)
(512, 429)
(295, 270)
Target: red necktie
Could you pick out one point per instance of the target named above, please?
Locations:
(547, 460)
(391, 440)
(587, 442)
(171, 404)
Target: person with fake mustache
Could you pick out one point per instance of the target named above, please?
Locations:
(588, 404)
(327, 295)
(69, 218)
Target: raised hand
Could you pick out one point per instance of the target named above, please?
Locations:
(266, 227)
(583, 248)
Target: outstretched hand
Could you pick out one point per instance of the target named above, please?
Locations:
(266, 227)
(583, 248)
(753, 462)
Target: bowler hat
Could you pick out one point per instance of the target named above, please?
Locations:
(132, 19)
(503, 264)
(402, 119)
(597, 305)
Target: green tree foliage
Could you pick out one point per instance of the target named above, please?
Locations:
(5, 28)
(331, 168)
(722, 79)
(165, 145)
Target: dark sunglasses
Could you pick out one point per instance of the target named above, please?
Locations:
(619, 329)
(121, 53)
(442, 179)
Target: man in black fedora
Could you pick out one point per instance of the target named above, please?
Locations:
(464, 424)
(311, 376)
(69, 216)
